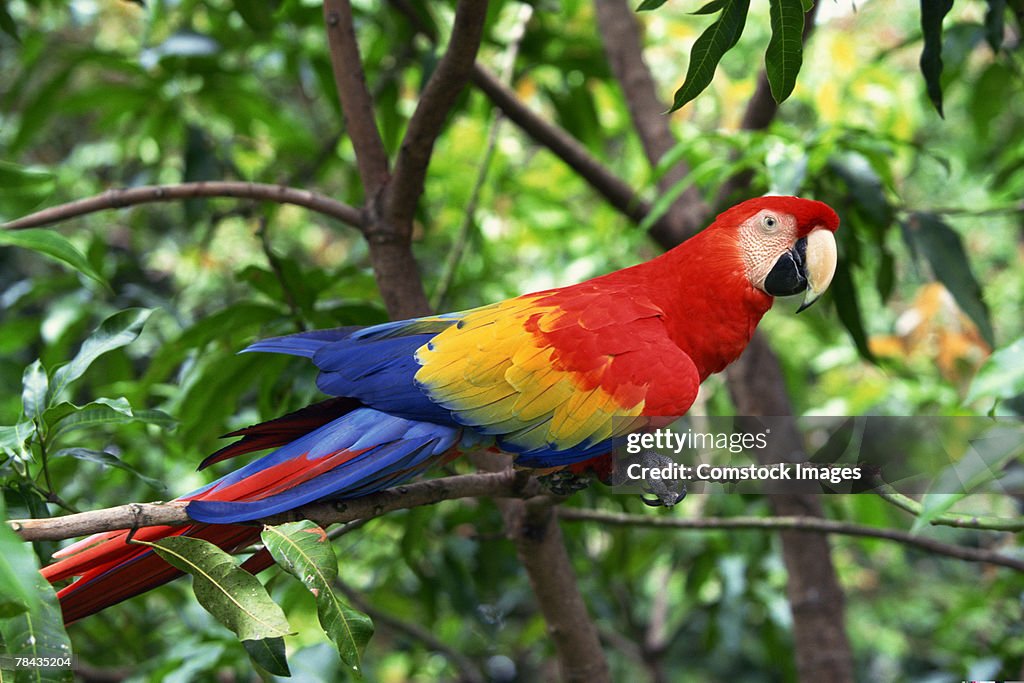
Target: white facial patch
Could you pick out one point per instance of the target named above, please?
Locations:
(763, 238)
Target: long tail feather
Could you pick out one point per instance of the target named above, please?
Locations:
(115, 570)
(351, 454)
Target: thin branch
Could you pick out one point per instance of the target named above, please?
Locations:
(133, 196)
(469, 672)
(356, 101)
(816, 525)
(557, 140)
(621, 34)
(438, 98)
(953, 519)
(567, 148)
(135, 515)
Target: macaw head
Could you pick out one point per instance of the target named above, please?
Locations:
(787, 244)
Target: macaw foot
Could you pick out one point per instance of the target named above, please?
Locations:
(665, 492)
(564, 482)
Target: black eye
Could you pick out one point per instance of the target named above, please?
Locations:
(769, 222)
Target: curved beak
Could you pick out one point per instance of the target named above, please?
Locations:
(820, 264)
(808, 267)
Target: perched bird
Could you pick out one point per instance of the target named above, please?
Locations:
(540, 376)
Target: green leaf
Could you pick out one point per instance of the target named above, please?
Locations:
(232, 595)
(994, 23)
(711, 7)
(648, 5)
(269, 654)
(933, 505)
(258, 14)
(108, 460)
(7, 24)
(707, 51)
(116, 331)
(848, 307)
(52, 244)
(932, 14)
(942, 247)
(13, 440)
(785, 52)
(302, 549)
(30, 619)
(34, 384)
(18, 568)
(66, 416)
(1002, 375)
(22, 189)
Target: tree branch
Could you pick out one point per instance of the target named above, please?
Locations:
(533, 527)
(124, 197)
(439, 96)
(621, 34)
(616, 191)
(815, 525)
(815, 596)
(506, 483)
(954, 519)
(356, 101)
(557, 140)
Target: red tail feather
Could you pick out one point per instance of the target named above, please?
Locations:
(115, 570)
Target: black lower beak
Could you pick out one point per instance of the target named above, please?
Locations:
(789, 274)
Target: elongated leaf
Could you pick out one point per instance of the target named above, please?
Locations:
(22, 189)
(707, 51)
(711, 7)
(785, 53)
(118, 330)
(18, 567)
(269, 654)
(52, 244)
(30, 618)
(932, 14)
(34, 384)
(995, 17)
(848, 308)
(1002, 375)
(648, 5)
(7, 24)
(108, 460)
(232, 595)
(942, 247)
(65, 416)
(303, 550)
(933, 505)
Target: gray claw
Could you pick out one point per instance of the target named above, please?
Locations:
(665, 492)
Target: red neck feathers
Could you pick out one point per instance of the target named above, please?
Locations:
(711, 309)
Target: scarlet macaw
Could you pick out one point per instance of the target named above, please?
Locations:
(540, 376)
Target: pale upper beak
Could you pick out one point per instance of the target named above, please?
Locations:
(808, 267)
(819, 264)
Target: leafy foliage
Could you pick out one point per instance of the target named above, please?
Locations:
(302, 549)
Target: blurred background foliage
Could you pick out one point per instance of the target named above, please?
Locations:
(98, 94)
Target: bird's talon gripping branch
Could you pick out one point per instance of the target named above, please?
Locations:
(564, 482)
(666, 492)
